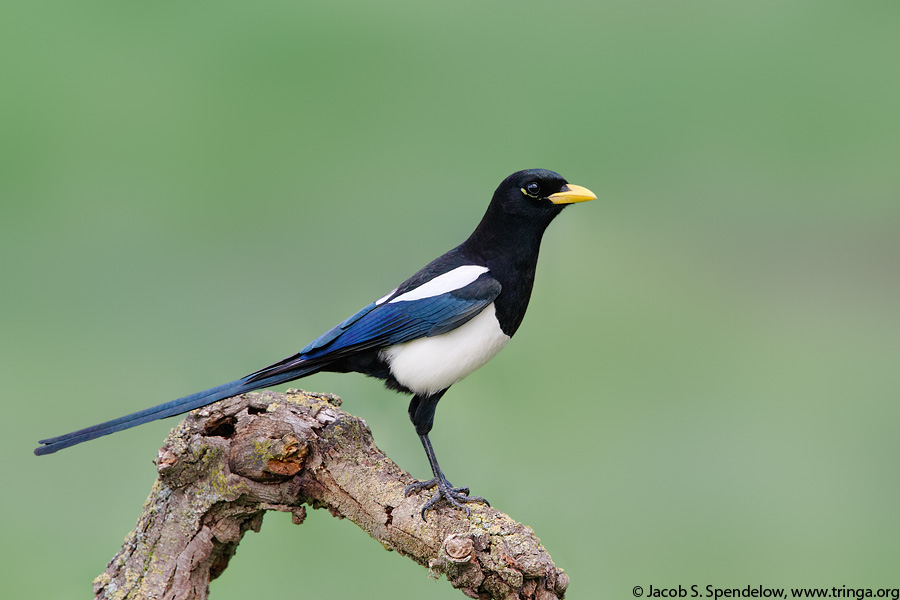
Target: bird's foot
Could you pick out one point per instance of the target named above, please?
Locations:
(455, 496)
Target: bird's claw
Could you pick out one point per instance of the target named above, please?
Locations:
(455, 496)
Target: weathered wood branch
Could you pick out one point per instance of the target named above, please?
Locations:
(226, 464)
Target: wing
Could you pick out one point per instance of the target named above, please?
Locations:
(396, 318)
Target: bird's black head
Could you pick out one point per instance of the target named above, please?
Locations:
(538, 193)
(522, 207)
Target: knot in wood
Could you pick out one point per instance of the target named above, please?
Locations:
(267, 450)
(289, 460)
(459, 548)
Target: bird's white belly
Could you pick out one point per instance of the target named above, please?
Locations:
(430, 364)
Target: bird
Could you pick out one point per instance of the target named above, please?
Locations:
(427, 334)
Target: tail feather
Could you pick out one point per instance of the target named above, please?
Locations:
(174, 407)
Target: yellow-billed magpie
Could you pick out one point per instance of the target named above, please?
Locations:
(438, 326)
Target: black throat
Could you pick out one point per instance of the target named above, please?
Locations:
(508, 244)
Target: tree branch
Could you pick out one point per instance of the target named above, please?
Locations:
(226, 464)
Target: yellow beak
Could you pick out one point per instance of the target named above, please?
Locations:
(572, 193)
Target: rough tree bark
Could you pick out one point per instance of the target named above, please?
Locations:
(226, 464)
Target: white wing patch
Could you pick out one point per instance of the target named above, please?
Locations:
(430, 364)
(385, 297)
(458, 278)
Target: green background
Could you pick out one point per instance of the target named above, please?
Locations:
(705, 390)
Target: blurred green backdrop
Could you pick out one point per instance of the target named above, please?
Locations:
(705, 388)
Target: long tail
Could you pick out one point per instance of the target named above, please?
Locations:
(254, 381)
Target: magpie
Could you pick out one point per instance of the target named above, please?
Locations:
(430, 332)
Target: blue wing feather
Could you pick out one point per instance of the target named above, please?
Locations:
(397, 322)
(389, 323)
(333, 333)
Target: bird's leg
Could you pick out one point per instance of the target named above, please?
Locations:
(421, 413)
(455, 496)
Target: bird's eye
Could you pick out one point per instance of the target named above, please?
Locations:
(533, 189)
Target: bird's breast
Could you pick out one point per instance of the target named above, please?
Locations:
(430, 364)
